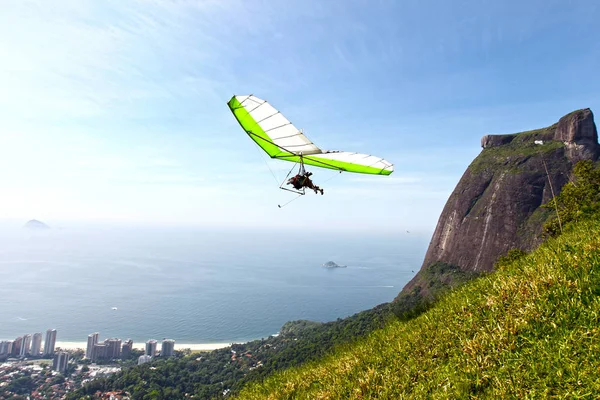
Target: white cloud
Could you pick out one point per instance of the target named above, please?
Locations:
(116, 110)
(388, 180)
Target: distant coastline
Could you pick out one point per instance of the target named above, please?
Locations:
(187, 273)
(141, 345)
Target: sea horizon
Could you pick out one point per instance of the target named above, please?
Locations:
(193, 286)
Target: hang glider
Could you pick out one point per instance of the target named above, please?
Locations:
(276, 135)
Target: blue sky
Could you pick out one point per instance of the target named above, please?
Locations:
(115, 111)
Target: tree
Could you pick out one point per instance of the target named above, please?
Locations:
(578, 199)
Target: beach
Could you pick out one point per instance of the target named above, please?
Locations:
(141, 345)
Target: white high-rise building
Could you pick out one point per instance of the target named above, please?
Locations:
(151, 348)
(113, 348)
(168, 348)
(60, 362)
(36, 344)
(99, 352)
(91, 342)
(50, 342)
(26, 346)
(5, 347)
(16, 347)
(144, 359)
(126, 349)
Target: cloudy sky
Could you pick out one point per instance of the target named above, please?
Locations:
(115, 111)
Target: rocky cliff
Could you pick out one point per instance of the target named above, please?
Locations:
(496, 205)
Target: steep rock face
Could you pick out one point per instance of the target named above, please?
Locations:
(496, 205)
(578, 131)
(495, 140)
(577, 127)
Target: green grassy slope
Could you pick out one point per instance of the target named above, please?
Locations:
(529, 330)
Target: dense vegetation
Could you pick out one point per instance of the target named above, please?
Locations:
(23, 382)
(579, 199)
(519, 148)
(528, 330)
(225, 371)
(439, 278)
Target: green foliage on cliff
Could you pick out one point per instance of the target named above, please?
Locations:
(512, 256)
(578, 199)
(512, 155)
(528, 330)
(297, 327)
(517, 149)
(438, 278)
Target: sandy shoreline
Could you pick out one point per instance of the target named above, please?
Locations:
(141, 345)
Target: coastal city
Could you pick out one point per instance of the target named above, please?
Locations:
(35, 366)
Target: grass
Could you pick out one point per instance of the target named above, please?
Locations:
(529, 330)
(516, 152)
(436, 279)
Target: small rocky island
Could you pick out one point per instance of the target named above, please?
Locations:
(331, 264)
(35, 224)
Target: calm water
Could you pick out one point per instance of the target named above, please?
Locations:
(193, 286)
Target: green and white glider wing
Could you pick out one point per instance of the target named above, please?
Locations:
(280, 139)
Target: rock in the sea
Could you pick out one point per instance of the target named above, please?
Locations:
(35, 224)
(331, 264)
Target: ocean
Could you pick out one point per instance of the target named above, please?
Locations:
(193, 285)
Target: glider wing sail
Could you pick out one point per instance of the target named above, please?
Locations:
(280, 139)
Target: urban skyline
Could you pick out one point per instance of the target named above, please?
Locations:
(29, 345)
(115, 348)
(32, 345)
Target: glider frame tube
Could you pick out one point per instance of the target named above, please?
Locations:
(300, 171)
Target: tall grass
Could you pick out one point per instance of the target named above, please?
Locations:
(529, 330)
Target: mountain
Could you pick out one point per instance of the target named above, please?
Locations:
(35, 224)
(495, 206)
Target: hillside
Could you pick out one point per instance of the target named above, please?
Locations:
(530, 329)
